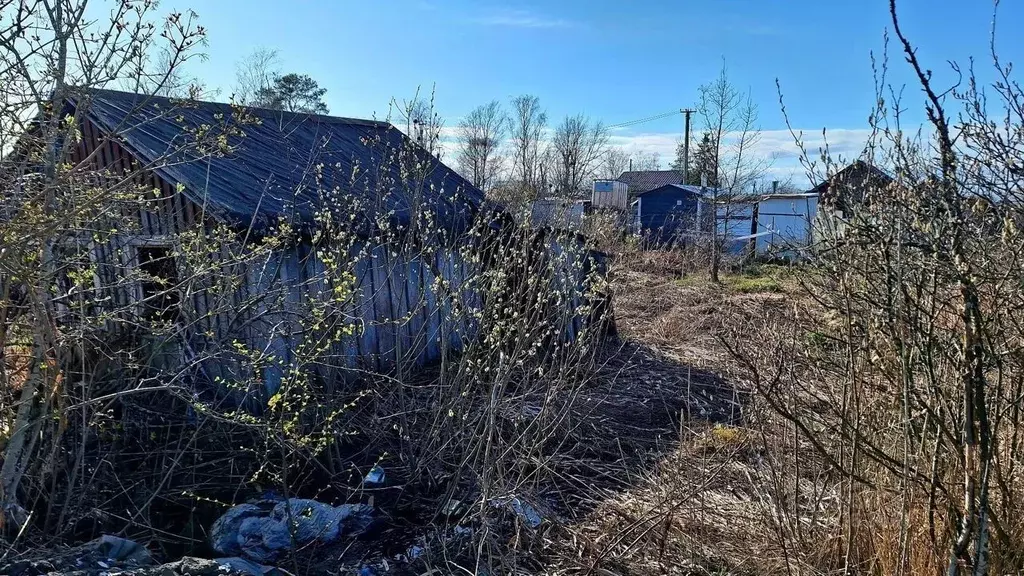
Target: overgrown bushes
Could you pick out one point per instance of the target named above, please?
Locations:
(912, 401)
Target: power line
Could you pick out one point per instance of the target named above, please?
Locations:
(647, 119)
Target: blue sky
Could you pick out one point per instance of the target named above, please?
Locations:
(614, 60)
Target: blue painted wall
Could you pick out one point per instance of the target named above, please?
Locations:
(667, 213)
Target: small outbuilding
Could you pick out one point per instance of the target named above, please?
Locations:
(850, 187)
(610, 194)
(557, 213)
(270, 171)
(789, 220)
(669, 214)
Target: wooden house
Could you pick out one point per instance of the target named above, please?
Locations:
(279, 169)
(850, 187)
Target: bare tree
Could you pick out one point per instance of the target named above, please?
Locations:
(616, 161)
(55, 201)
(646, 160)
(260, 83)
(578, 145)
(255, 74)
(480, 136)
(527, 124)
(164, 75)
(422, 121)
(731, 131)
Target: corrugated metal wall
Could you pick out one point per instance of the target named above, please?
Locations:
(791, 220)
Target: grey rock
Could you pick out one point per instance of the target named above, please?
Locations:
(197, 567)
(249, 568)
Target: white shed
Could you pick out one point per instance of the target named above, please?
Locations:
(610, 194)
(789, 220)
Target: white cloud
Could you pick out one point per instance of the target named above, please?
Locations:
(777, 145)
(520, 19)
(662, 143)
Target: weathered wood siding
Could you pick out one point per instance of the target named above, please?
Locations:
(401, 312)
(407, 310)
(159, 217)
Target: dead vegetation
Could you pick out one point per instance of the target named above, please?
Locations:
(884, 386)
(707, 505)
(861, 414)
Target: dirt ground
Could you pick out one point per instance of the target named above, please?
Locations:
(698, 505)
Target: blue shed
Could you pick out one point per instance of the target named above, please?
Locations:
(669, 213)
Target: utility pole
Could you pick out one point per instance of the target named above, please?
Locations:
(686, 145)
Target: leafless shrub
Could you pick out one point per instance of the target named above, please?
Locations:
(124, 408)
(903, 383)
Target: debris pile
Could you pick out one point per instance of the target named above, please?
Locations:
(264, 530)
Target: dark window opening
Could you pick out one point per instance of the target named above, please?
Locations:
(160, 297)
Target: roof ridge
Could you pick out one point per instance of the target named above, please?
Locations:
(325, 118)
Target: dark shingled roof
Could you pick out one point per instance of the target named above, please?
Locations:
(689, 188)
(640, 181)
(285, 162)
(851, 185)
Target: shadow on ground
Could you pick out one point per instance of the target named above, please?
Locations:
(633, 415)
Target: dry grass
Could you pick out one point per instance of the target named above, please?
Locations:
(661, 301)
(707, 506)
(751, 495)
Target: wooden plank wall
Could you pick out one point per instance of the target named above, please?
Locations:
(407, 310)
(159, 218)
(401, 308)
(570, 276)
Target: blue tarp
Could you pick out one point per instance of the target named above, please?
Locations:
(262, 531)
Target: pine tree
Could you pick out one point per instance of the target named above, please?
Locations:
(702, 161)
(293, 93)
